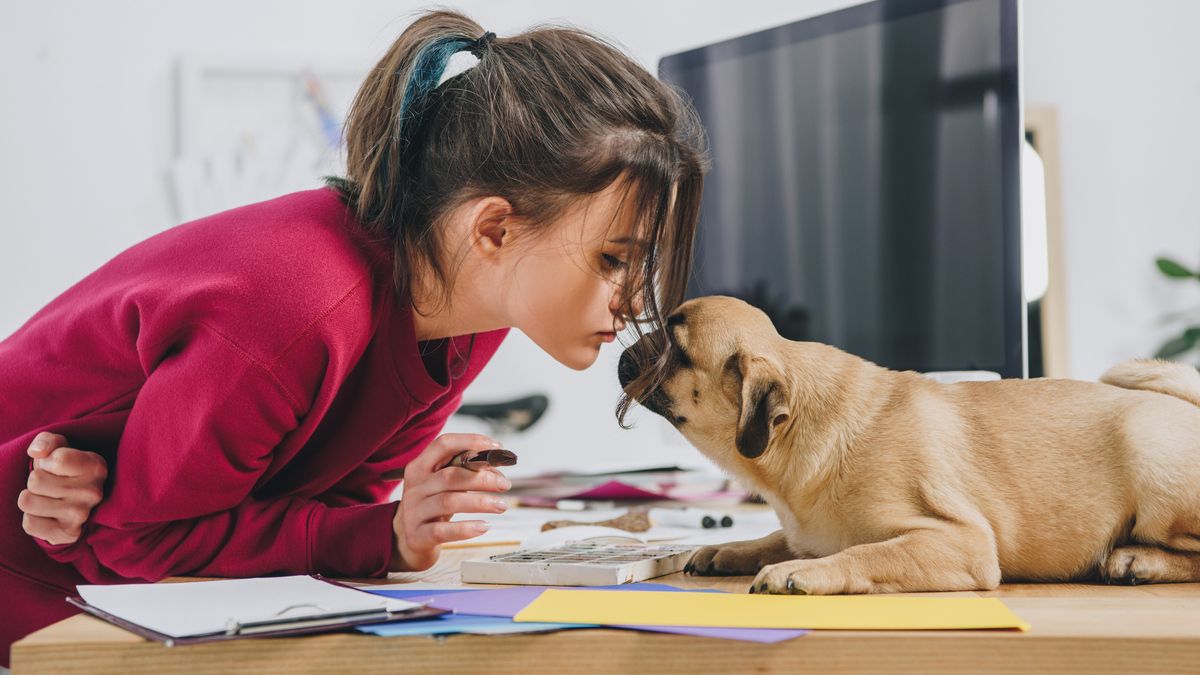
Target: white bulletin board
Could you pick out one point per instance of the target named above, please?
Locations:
(250, 127)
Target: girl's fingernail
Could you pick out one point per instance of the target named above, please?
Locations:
(505, 483)
(500, 504)
(482, 527)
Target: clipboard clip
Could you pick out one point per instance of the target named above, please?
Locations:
(308, 619)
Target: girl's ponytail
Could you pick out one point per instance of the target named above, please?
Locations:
(385, 118)
(425, 74)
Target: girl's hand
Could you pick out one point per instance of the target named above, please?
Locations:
(433, 494)
(63, 488)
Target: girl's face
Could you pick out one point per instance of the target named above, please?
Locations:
(564, 288)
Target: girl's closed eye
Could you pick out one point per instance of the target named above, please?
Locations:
(613, 262)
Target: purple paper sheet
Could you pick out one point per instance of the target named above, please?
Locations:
(506, 602)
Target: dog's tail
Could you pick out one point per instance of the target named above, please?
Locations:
(1164, 377)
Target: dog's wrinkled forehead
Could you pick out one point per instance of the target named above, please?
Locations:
(710, 328)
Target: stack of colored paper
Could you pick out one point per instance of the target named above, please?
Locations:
(491, 611)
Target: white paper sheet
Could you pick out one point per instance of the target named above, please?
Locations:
(524, 525)
(189, 609)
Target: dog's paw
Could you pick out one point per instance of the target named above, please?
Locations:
(726, 560)
(1136, 565)
(798, 577)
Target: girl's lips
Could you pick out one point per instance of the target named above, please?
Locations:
(609, 336)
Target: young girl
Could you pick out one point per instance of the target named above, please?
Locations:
(250, 376)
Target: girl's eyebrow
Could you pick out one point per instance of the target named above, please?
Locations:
(629, 240)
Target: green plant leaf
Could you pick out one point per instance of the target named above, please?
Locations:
(1179, 345)
(1173, 269)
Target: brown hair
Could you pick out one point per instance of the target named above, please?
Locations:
(545, 117)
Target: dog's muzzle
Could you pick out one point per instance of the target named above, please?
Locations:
(630, 367)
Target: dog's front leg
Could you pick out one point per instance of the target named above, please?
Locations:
(738, 558)
(949, 559)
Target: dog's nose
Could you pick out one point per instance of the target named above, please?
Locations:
(627, 368)
(635, 359)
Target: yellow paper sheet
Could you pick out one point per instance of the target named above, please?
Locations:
(735, 610)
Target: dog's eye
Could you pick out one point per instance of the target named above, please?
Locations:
(680, 420)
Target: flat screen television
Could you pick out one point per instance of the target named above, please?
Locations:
(865, 180)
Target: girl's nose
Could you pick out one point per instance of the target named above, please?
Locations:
(617, 305)
(635, 304)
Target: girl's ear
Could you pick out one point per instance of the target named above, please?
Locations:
(491, 223)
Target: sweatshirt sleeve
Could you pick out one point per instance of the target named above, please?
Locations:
(365, 484)
(198, 439)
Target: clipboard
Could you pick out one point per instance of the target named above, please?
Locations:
(301, 618)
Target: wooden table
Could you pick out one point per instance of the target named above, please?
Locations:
(1076, 629)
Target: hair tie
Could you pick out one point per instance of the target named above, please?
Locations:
(482, 43)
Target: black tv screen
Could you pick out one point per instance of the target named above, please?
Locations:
(864, 187)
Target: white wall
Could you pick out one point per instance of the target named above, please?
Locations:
(1123, 76)
(86, 134)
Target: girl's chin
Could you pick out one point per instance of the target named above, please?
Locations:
(579, 358)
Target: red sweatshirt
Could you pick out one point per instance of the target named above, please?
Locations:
(248, 376)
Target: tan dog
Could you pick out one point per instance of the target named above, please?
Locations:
(887, 481)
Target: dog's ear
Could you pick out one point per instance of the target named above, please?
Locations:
(763, 406)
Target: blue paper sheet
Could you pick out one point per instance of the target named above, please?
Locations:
(462, 623)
